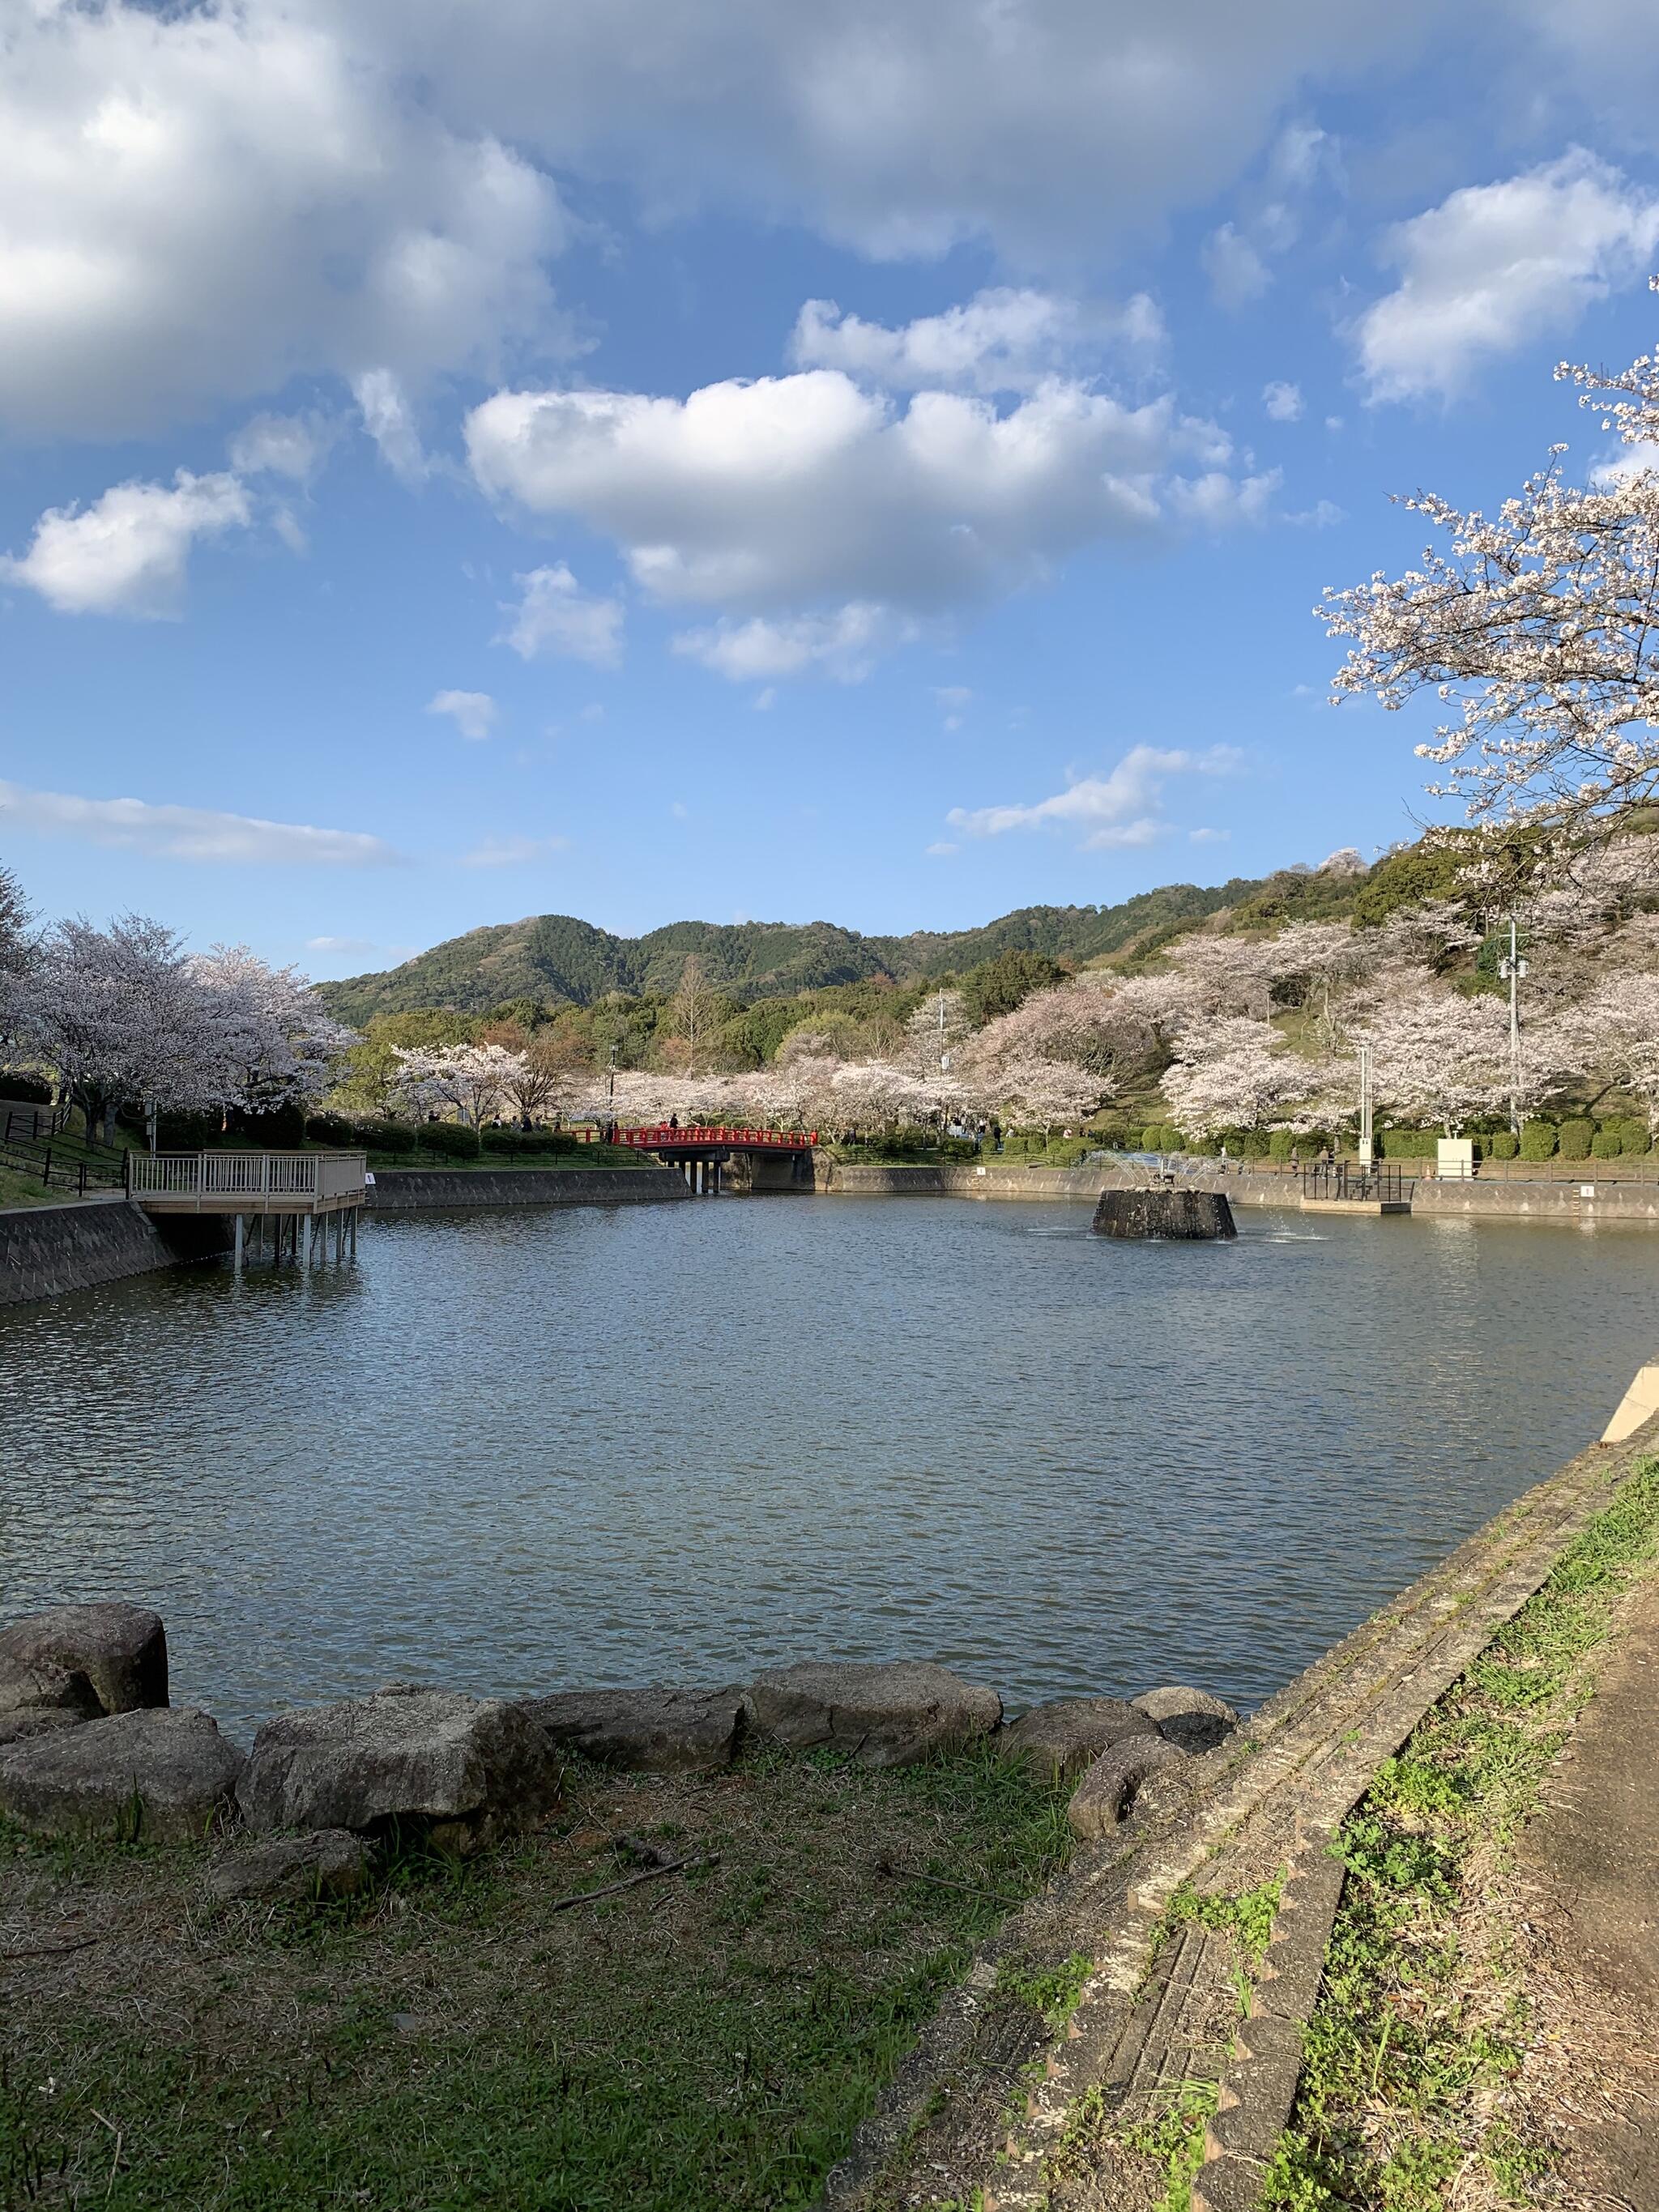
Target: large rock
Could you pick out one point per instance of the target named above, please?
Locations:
(884, 1714)
(1191, 1718)
(459, 1770)
(1060, 1740)
(36, 1696)
(156, 1773)
(652, 1731)
(1188, 1215)
(333, 1863)
(122, 1649)
(1106, 1796)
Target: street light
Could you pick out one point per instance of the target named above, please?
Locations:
(1511, 971)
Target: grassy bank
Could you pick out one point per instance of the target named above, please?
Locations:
(17, 1189)
(1420, 2035)
(449, 2041)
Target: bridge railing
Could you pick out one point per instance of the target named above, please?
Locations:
(663, 1136)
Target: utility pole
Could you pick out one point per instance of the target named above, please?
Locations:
(1511, 971)
(1366, 1142)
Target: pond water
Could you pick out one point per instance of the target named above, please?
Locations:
(511, 1452)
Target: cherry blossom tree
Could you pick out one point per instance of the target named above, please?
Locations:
(122, 1015)
(277, 1044)
(1226, 975)
(471, 1079)
(1233, 1073)
(1616, 1032)
(1438, 1056)
(1537, 626)
(16, 956)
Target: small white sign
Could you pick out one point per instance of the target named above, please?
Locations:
(1587, 1190)
(979, 1170)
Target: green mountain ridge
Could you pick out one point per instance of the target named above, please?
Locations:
(558, 957)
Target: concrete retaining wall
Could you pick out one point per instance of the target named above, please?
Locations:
(1590, 1201)
(964, 1179)
(48, 1250)
(422, 1190)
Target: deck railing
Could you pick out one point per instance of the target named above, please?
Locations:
(251, 1176)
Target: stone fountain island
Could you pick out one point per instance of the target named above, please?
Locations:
(1193, 1216)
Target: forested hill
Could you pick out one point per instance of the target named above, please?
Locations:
(553, 956)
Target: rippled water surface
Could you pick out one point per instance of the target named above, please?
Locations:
(524, 1451)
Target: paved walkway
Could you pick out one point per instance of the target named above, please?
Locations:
(1588, 1907)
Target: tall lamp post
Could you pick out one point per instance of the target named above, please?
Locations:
(1367, 1147)
(1511, 971)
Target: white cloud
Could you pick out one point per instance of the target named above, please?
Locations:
(764, 702)
(514, 852)
(1623, 463)
(1206, 836)
(473, 712)
(187, 833)
(1237, 272)
(790, 492)
(899, 126)
(338, 944)
(1216, 501)
(282, 445)
(1118, 810)
(555, 615)
(202, 202)
(941, 848)
(844, 645)
(1001, 340)
(1496, 266)
(1282, 401)
(128, 552)
(390, 421)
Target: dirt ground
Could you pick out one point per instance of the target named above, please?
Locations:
(1587, 1903)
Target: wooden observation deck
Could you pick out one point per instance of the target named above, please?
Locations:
(297, 1193)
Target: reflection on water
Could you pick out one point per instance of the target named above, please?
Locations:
(516, 1451)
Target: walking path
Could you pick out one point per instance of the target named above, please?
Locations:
(1587, 1912)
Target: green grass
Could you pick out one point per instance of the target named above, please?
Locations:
(1421, 2022)
(703, 2040)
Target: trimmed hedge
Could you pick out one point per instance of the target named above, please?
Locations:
(1538, 1140)
(450, 1140)
(1574, 1139)
(1606, 1145)
(1503, 1146)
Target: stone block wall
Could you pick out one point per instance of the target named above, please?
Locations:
(47, 1249)
(424, 1190)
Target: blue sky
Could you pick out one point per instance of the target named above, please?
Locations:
(644, 458)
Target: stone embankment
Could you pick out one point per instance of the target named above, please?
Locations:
(48, 1250)
(1000, 2111)
(89, 1745)
(424, 1190)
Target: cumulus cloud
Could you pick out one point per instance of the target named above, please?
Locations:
(794, 492)
(514, 852)
(1282, 401)
(202, 202)
(1001, 340)
(1494, 266)
(282, 445)
(845, 644)
(187, 833)
(473, 712)
(555, 615)
(128, 553)
(1115, 810)
(899, 126)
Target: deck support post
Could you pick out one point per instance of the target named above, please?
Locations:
(354, 1212)
(241, 1240)
(305, 1255)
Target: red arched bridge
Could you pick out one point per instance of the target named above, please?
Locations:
(701, 1150)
